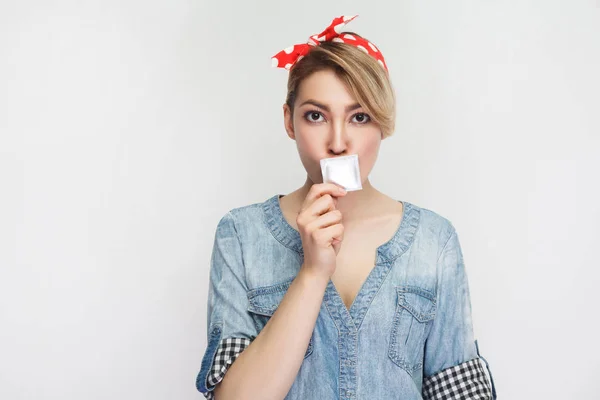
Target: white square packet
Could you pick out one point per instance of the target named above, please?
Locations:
(343, 171)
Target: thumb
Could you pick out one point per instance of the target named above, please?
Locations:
(336, 244)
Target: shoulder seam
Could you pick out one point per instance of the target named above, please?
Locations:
(446, 244)
(237, 237)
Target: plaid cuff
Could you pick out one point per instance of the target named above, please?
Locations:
(229, 349)
(466, 381)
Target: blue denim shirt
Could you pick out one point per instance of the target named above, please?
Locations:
(408, 334)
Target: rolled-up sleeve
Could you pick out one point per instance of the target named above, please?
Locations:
(230, 327)
(452, 367)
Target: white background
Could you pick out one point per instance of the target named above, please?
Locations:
(129, 128)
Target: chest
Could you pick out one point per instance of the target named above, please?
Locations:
(358, 254)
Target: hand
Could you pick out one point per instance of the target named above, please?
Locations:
(320, 227)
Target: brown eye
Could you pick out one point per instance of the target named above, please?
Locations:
(313, 116)
(361, 118)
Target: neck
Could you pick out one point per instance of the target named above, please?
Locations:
(354, 205)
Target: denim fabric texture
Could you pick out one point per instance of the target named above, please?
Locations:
(410, 320)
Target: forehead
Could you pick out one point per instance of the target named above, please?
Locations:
(325, 87)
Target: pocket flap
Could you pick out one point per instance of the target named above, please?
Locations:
(419, 302)
(265, 300)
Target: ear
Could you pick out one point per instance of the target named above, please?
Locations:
(288, 121)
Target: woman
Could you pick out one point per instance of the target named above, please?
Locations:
(325, 293)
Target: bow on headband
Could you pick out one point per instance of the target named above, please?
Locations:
(288, 57)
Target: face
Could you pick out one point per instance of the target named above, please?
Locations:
(328, 122)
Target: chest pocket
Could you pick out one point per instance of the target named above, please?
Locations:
(263, 301)
(413, 317)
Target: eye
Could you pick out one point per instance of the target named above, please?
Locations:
(313, 116)
(361, 118)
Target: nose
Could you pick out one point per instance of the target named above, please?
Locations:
(338, 140)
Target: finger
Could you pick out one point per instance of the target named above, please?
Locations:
(330, 234)
(322, 205)
(320, 189)
(330, 218)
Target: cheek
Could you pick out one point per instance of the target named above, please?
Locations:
(368, 154)
(371, 144)
(309, 142)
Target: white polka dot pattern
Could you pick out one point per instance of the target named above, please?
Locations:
(289, 56)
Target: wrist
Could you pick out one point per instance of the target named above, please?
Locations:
(312, 277)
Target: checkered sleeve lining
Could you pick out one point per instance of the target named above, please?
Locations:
(229, 349)
(465, 381)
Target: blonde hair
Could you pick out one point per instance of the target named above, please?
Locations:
(363, 75)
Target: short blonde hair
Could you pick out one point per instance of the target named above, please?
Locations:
(367, 80)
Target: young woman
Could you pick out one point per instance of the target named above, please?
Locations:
(328, 294)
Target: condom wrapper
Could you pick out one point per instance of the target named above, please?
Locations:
(343, 171)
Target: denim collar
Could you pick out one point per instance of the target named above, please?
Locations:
(387, 252)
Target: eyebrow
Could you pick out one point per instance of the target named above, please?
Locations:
(326, 108)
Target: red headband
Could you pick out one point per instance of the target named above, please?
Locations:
(288, 57)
